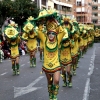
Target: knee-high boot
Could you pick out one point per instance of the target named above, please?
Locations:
(18, 72)
(69, 76)
(13, 68)
(55, 91)
(34, 59)
(50, 90)
(64, 80)
(74, 69)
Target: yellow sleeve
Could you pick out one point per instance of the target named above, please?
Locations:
(72, 43)
(18, 40)
(61, 32)
(41, 36)
(24, 36)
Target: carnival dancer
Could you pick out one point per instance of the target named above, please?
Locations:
(92, 35)
(30, 36)
(13, 38)
(85, 39)
(89, 36)
(66, 60)
(81, 46)
(76, 26)
(51, 42)
(1, 53)
(73, 37)
(2, 38)
(97, 35)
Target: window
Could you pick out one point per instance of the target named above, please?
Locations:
(95, 21)
(79, 3)
(95, 14)
(95, 8)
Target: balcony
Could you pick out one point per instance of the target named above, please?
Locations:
(93, 2)
(96, 11)
(94, 17)
(63, 3)
(66, 1)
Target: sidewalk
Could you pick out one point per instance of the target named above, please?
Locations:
(95, 77)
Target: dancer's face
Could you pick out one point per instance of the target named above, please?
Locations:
(51, 36)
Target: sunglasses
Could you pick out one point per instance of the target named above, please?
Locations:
(53, 33)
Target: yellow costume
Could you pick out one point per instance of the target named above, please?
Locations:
(65, 52)
(31, 41)
(30, 35)
(14, 47)
(14, 40)
(51, 59)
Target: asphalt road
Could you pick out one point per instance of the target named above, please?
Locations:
(31, 85)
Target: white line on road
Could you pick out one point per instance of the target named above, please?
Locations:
(3, 73)
(87, 86)
(22, 64)
(19, 91)
(87, 89)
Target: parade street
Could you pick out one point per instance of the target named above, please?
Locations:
(31, 85)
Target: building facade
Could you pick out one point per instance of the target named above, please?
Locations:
(83, 11)
(96, 12)
(64, 7)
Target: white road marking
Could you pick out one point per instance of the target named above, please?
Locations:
(87, 89)
(22, 64)
(87, 86)
(19, 91)
(92, 64)
(3, 73)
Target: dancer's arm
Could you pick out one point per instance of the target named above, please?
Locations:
(61, 32)
(24, 36)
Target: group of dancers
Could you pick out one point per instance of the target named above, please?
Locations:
(62, 42)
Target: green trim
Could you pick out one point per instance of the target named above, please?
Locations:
(63, 47)
(49, 49)
(13, 45)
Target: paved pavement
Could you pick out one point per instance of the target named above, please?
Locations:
(95, 77)
(31, 85)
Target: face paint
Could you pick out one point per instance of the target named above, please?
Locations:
(51, 35)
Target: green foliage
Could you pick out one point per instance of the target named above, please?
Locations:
(20, 10)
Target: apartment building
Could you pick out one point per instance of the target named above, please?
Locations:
(96, 12)
(83, 11)
(64, 7)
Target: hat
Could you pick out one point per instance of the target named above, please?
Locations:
(12, 23)
(52, 25)
(67, 19)
(43, 13)
(11, 32)
(30, 18)
(46, 13)
(28, 26)
(52, 12)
